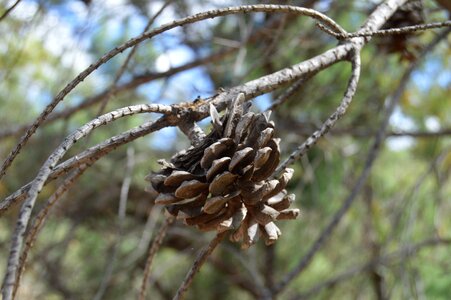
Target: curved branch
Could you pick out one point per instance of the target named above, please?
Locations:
(198, 263)
(44, 172)
(385, 32)
(40, 219)
(156, 244)
(94, 152)
(332, 120)
(135, 41)
(392, 101)
(136, 81)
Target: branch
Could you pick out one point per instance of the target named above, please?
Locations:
(385, 32)
(43, 174)
(156, 244)
(133, 83)
(40, 219)
(6, 13)
(92, 153)
(304, 129)
(371, 157)
(290, 91)
(198, 263)
(138, 80)
(332, 120)
(135, 41)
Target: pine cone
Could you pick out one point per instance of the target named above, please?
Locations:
(224, 183)
(411, 13)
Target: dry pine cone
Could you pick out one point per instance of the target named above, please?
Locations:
(225, 182)
(407, 45)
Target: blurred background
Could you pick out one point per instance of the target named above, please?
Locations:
(394, 242)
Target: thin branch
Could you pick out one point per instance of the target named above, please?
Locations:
(385, 32)
(290, 91)
(235, 277)
(198, 263)
(6, 13)
(40, 219)
(332, 120)
(193, 131)
(94, 152)
(200, 109)
(43, 174)
(146, 236)
(405, 202)
(156, 244)
(135, 41)
(371, 157)
(269, 266)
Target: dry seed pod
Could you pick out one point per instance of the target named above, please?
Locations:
(224, 183)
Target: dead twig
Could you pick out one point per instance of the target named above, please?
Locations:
(371, 157)
(38, 183)
(332, 120)
(156, 244)
(198, 263)
(40, 219)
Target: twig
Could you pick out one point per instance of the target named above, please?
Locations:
(229, 270)
(135, 41)
(270, 48)
(385, 32)
(156, 244)
(269, 270)
(290, 91)
(190, 128)
(6, 13)
(146, 236)
(372, 155)
(135, 82)
(198, 263)
(405, 202)
(251, 89)
(94, 152)
(43, 174)
(332, 120)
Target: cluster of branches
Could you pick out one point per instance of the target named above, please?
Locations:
(185, 116)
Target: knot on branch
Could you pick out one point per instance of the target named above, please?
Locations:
(224, 182)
